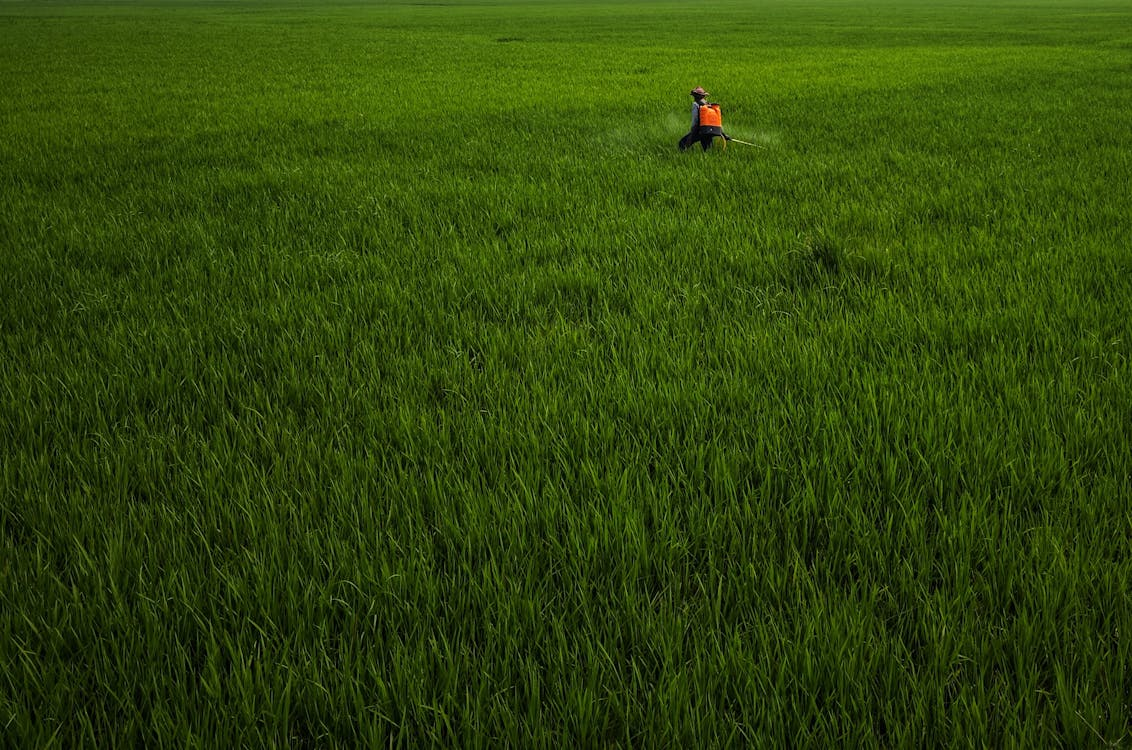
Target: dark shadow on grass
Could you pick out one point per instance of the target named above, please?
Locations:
(821, 260)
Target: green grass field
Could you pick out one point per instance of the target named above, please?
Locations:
(381, 374)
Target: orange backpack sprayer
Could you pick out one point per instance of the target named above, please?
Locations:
(711, 121)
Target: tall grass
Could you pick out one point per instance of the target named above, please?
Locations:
(382, 374)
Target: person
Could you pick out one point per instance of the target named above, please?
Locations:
(703, 132)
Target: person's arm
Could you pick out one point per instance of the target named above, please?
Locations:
(695, 115)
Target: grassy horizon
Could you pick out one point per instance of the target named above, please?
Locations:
(381, 374)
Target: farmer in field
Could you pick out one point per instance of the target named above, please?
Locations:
(707, 121)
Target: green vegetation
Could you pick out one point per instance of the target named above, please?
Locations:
(381, 374)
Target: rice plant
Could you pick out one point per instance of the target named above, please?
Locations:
(382, 374)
